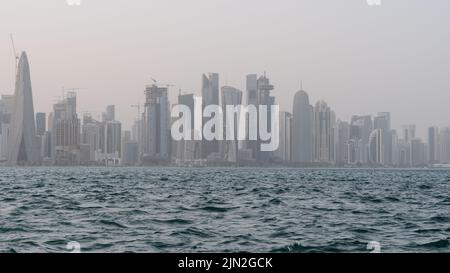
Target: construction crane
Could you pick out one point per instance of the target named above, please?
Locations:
(16, 55)
(155, 82)
(70, 91)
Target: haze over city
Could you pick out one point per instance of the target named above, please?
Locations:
(225, 126)
(361, 59)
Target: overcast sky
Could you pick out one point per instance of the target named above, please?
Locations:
(360, 59)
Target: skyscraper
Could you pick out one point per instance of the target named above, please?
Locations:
(91, 136)
(251, 146)
(302, 129)
(444, 140)
(383, 122)
(395, 149)
(360, 129)
(404, 154)
(409, 132)
(113, 142)
(110, 113)
(323, 135)
(265, 99)
(156, 125)
(376, 147)
(210, 96)
(342, 141)
(40, 124)
(189, 151)
(6, 108)
(22, 141)
(129, 150)
(417, 153)
(229, 148)
(433, 145)
(284, 150)
(65, 128)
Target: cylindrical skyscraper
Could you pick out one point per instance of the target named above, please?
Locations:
(302, 129)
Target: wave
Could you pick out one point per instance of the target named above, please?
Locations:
(175, 221)
(112, 223)
(443, 243)
(216, 209)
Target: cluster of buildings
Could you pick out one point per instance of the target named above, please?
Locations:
(309, 136)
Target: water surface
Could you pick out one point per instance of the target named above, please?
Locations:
(223, 210)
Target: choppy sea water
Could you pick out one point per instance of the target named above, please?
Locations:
(223, 210)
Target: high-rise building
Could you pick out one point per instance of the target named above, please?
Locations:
(264, 99)
(323, 133)
(433, 145)
(409, 132)
(46, 147)
(353, 153)
(130, 151)
(250, 147)
(302, 129)
(210, 96)
(6, 108)
(65, 129)
(418, 156)
(189, 152)
(6, 104)
(395, 149)
(110, 113)
(342, 142)
(376, 147)
(22, 140)
(130, 156)
(252, 89)
(383, 122)
(41, 121)
(113, 142)
(444, 143)
(230, 147)
(156, 120)
(91, 136)
(109, 152)
(404, 154)
(285, 148)
(360, 129)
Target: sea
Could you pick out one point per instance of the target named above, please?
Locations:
(174, 210)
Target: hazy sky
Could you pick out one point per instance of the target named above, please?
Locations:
(359, 58)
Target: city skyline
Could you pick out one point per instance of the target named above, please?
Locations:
(311, 135)
(342, 53)
(259, 129)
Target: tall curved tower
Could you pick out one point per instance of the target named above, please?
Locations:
(22, 148)
(302, 129)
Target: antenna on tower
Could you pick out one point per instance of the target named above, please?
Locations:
(16, 55)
